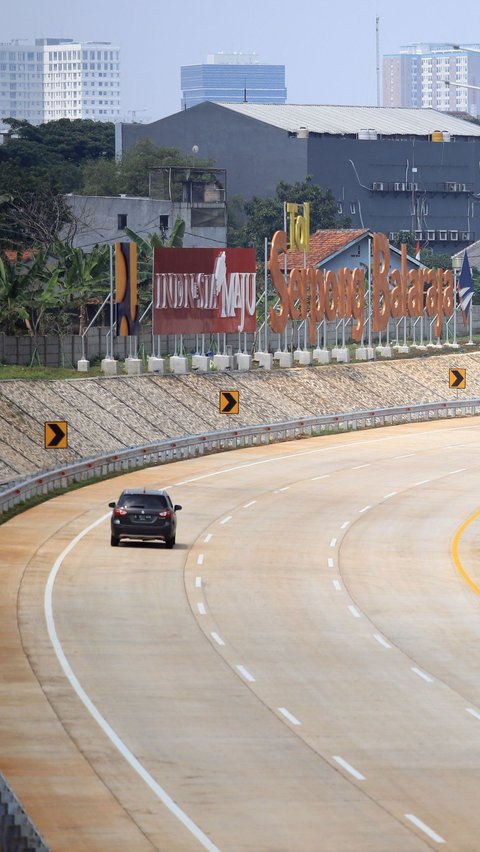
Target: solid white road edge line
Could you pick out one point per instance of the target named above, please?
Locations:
(89, 705)
(426, 828)
(349, 768)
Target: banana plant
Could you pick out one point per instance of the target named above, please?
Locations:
(146, 246)
(82, 277)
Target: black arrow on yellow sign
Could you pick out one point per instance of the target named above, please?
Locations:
(229, 402)
(458, 378)
(56, 435)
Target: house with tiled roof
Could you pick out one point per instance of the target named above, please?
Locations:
(338, 248)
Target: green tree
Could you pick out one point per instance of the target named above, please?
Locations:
(146, 246)
(100, 177)
(137, 162)
(264, 216)
(82, 278)
(40, 163)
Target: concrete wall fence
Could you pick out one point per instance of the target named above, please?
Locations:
(53, 351)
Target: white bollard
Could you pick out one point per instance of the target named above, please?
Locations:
(285, 360)
(201, 363)
(322, 356)
(178, 365)
(243, 361)
(109, 366)
(133, 366)
(156, 365)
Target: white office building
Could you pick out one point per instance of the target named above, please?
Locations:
(59, 78)
(433, 76)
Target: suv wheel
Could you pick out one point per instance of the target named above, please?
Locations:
(114, 541)
(169, 542)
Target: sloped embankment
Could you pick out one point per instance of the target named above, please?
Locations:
(110, 413)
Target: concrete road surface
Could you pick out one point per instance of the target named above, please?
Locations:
(302, 672)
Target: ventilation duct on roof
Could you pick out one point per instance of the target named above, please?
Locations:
(303, 133)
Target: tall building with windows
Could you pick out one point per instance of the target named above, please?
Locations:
(59, 78)
(233, 78)
(434, 76)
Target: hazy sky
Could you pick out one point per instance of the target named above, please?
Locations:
(328, 48)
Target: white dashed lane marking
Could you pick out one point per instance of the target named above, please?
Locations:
(425, 828)
(226, 520)
(381, 640)
(289, 716)
(349, 768)
(198, 582)
(421, 674)
(246, 674)
(217, 638)
(200, 559)
(201, 609)
(354, 611)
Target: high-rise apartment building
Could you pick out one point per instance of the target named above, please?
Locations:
(59, 78)
(433, 75)
(233, 78)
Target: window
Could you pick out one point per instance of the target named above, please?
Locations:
(121, 221)
(353, 208)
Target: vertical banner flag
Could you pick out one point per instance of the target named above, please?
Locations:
(465, 287)
(126, 301)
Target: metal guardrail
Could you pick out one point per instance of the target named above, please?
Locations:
(194, 445)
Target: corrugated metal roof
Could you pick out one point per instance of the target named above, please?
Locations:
(388, 121)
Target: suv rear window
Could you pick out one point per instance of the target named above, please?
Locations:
(149, 502)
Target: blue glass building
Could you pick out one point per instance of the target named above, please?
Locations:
(228, 78)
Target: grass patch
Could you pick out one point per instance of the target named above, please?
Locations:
(35, 373)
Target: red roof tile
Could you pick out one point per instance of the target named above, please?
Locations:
(323, 244)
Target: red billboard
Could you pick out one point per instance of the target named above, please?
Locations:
(203, 290)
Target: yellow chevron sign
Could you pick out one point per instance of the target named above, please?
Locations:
(457, 378)
(56, 435)
(229, 402)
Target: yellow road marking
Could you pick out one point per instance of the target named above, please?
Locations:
(456, 557)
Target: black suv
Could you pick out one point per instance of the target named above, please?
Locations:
(144, 514)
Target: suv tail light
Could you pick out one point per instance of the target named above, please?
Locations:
(166, 513)
(119, 512)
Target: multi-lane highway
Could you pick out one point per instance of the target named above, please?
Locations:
(302, 672)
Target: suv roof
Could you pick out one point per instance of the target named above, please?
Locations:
(155, 491)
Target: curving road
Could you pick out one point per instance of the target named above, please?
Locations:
(302, 672)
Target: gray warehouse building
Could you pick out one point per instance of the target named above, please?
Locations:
(389, 169)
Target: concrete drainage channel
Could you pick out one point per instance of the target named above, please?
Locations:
(17, 833)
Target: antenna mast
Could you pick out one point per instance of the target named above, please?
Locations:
(377, 28)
